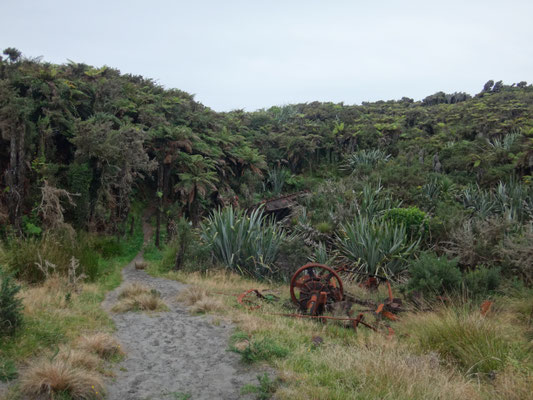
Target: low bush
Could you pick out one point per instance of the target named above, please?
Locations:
(517, 253)
(414, 219)
(324, 227)
(479, 242)
(292, 255)
(432, 275)
(481, 281)
(10, 305)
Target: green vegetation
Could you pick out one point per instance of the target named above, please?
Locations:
(257, 350)
(376, 246)
(248, 244)
(10, 305)
(265, 390)
(436, 194)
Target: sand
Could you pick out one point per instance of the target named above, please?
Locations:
(173, 354)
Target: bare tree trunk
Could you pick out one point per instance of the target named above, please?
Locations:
(159, 206)
(132, 225)
(15, 177)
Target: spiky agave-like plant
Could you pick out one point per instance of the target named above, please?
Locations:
(248, 244)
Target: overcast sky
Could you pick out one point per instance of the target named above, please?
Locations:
(254, 54)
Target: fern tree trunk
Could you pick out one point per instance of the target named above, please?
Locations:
(15, 176)
(159, 205)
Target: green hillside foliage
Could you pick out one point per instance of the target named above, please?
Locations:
(450, 174)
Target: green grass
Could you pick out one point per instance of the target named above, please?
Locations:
(473, 343)
(8, 370)
(264, 349)
(266, 388)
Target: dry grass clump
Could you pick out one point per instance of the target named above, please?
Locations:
(80, 359)
(141, 302)
(103, 344)
(192, 295)
(47, 377)
(133, 290)
(207, 304)
(510, 385)
(220, 281)
(138, 297)
(199, 300)
(140, 265)
(52, 294)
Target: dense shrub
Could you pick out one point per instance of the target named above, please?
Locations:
(433, 275)
(414, 220)
(480, 281)
(10, 305)
(517, 251)
(107, 246)
(479, 242)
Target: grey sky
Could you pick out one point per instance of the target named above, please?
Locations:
(255, 54)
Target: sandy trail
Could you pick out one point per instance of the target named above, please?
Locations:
(172, 354)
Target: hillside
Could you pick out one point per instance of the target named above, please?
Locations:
(436, 195)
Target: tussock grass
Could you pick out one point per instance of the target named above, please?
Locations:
(138, 297)
(79, 358)
(199, 300)
(141, 302)
(47, 377)
(472, 342)
(134, 289)
(206, 305)
(191, 295)
(102, 344)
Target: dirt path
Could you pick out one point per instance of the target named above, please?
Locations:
(172, 354)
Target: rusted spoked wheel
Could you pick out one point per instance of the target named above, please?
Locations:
(312, 280)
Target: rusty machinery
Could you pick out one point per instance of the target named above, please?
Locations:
(316, 288)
